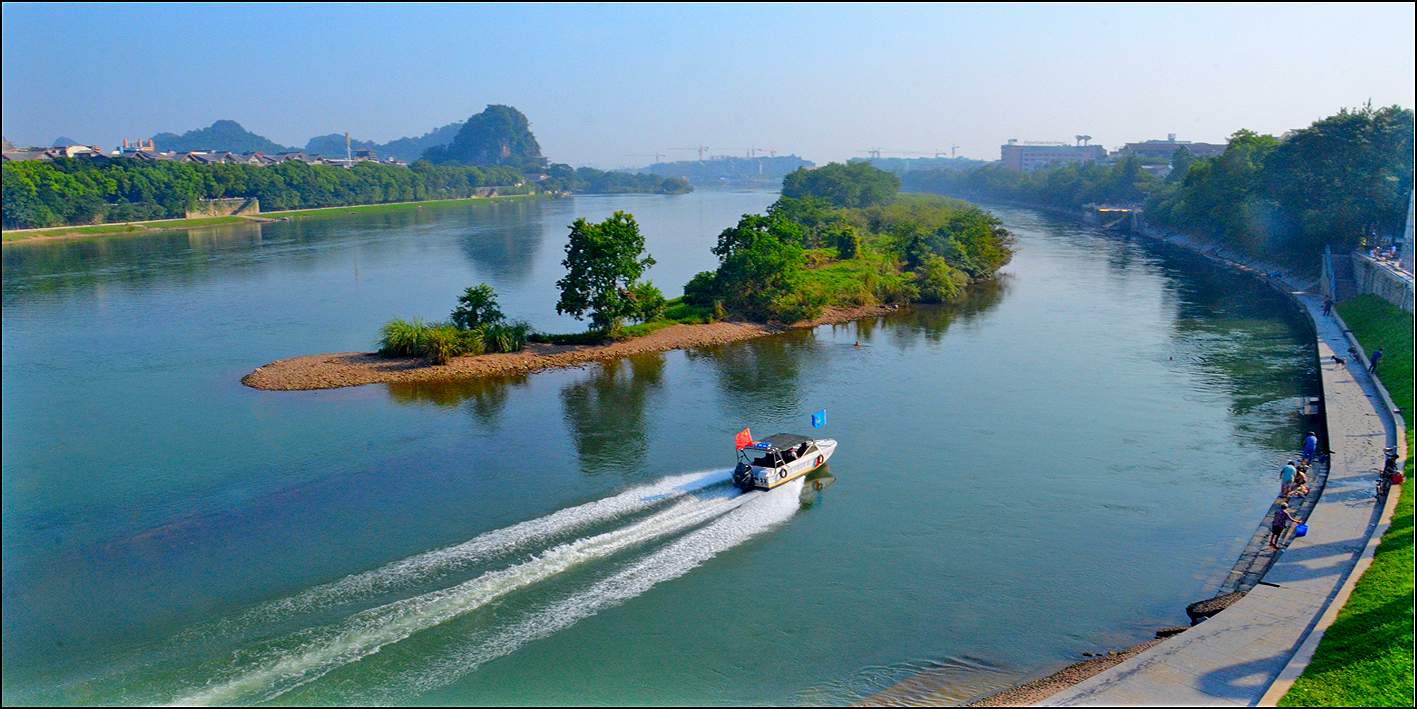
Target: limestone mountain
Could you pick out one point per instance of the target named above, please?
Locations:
(223, 135)
(500, 135)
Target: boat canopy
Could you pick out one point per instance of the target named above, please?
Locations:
(778, 443)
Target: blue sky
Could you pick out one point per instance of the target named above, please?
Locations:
(604, 85)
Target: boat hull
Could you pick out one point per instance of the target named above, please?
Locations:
(769, 478)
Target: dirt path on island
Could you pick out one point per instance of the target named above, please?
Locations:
(331, 371)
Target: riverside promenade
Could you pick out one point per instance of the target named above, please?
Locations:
(1250, 653)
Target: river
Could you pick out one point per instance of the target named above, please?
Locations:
(1056, 466)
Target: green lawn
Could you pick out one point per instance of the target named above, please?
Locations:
(392, 206)
(1366, 658)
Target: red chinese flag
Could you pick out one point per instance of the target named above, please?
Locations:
(742, 440)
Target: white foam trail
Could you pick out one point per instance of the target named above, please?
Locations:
(674, 560)
(325, 649)
(422, 567)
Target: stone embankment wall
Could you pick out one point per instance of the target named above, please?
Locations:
(225, 207)
(1383, 280)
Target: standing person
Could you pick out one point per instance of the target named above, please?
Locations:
(1286, 478)
(1375, 359)
(1328, 306)
(1311, 447)
(1281, 521)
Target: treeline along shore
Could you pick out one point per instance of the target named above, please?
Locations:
(74, 191)
(841, 243)
(494, 148)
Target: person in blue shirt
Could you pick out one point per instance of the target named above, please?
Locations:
(1311, 447)
(1374, 360)
(1286, 478)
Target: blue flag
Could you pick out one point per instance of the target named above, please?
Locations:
(819, 419)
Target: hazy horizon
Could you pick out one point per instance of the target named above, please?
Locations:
(613, 85)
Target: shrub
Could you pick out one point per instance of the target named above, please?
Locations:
(649, 302)
(477, 306)
(701, 290)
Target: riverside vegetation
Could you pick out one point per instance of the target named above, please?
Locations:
(73, 191)
(1343, 181)
(840, 236)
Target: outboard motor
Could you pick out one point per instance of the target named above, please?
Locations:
(743, 477)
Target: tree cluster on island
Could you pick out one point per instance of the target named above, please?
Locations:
(839, 236)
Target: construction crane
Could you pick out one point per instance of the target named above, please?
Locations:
(874, 152)
(702, 149)
(657, 156)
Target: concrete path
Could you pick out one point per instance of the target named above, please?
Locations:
(1234, 657)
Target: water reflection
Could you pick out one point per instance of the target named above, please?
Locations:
(83, 263)
(503, 241)
(606, 413)
(761, 375)
(933, 321)
(485, 399)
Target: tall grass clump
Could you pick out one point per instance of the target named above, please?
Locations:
(505, 337)
(403, 338)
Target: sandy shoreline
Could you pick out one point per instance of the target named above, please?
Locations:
(331, 371)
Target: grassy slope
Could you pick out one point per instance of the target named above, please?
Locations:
(147, 227)
(1366, 657)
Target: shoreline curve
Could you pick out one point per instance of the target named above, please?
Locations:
(345, 369)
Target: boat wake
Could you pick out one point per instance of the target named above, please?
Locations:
(608, 552)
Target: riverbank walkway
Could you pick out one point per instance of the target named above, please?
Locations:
(1250, 653)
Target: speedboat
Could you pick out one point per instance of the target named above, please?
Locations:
(765, 464)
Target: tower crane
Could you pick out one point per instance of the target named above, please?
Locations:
(702, 149)
(656, 155)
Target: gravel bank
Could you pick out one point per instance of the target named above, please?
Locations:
(331, 371)
(1036, 691)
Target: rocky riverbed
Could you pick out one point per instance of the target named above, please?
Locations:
(331, 371)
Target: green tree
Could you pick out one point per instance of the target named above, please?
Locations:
(851, 186)
(1343, 179)
(603, 262)
(760, 265)
(477, 306)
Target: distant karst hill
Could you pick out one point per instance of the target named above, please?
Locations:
(500, 135)
(405, 149)
(224, 135)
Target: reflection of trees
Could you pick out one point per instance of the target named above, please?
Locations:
(933, 321)
(484, 398)
(761, 375)
(1247, 339)
(503, 238)
(605, 413)
(184, 257)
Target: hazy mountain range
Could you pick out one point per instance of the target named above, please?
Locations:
(228, 135)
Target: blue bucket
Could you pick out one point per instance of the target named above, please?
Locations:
(1301, 529)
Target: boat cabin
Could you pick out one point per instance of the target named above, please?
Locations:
(777, 450)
